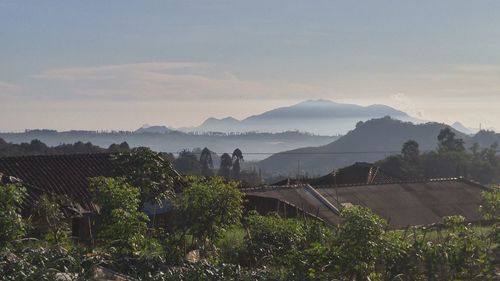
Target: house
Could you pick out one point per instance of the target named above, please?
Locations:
(65, 176)
(358, 173)
(401, 204)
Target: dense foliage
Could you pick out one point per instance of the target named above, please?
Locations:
(12, 225)
(149, 171)
(119, 223)
(451, 159)
(208, 206)
(212, 239)
(51, 223)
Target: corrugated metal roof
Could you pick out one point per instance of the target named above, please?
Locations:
(299, 196)
(401, 204)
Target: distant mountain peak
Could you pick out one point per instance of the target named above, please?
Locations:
(462, 128)
(317, 101)
(229, 119)
(158, 129)
(317, 116)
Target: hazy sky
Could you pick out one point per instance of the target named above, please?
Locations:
(120, 64)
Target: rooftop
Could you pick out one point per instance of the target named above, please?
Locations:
(401, 204)
(358, 173)
(65, 175)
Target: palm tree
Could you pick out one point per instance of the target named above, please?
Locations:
(237, 157)
(206, 163)
(225, 166)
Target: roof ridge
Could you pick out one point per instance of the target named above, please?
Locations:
(447, 179)
(62, 155)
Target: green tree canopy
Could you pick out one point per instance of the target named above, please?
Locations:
(208, 206)
(448, 141)
(119, 222)
(360, 241)
(149, 171)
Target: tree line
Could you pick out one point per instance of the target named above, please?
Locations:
(202, 163)
(37, 147)
(450, 159)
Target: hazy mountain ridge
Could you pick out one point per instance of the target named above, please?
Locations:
(153, 129)
(175, 141)
(369, 141)
(462, 128)
(321, 117)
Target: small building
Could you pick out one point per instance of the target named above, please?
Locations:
(401, 204)
(358, 173)
(64, 176)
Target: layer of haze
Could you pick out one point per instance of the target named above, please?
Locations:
(119, 64)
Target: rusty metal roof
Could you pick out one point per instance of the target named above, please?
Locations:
(400, 204)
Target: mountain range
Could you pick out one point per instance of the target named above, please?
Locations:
(309, 129)
(322, 117)
(368, 142)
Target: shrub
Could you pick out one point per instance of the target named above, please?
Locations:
(359, 242)
(232, 245)
(208, 206)
(12, 225)
(271, 238)
(119, 222)
(55, 227)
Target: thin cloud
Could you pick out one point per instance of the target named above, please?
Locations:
(165, 80)
(113, 71)
(8, 89)
(478, 68)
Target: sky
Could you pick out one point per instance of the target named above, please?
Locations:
(119, 64)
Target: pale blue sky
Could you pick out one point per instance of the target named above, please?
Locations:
(119, 64)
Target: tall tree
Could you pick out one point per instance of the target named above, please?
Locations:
(448, 141)
(208, 206)
(206, 163)
(410, 151)
(147, 170)
(410, 154)
(225, 166)
(237, 157)
(187, 163)
(119, 222)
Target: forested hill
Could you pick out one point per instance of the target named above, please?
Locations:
(369, 141)
(175, 141)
